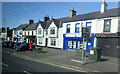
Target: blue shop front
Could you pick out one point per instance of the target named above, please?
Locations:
(74, 43)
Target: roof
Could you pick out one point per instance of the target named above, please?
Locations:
(56, 21)
(23, 26)
(43, 24)
(94, 15)
(32, 26)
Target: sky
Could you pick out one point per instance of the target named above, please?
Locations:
(17, 13)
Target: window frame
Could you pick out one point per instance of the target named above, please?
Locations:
(90, 25)
(40, 39)
(39, 31)
(67, 28)
(77, 27)
(107, 25)
(52, 30)
(53, 42)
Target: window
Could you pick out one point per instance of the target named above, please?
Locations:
(77, 28)
(52, 30)
(107, 25)
(68, 28)
(40, 40)
(53, 41)
(46, 32)
(25, 32)
(88, 25)
(32, 33)
(28, 33)
(39, 31)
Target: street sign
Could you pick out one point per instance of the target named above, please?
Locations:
(85, 32)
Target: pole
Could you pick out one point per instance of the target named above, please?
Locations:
(83, 51)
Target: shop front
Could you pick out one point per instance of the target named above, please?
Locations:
(74, 43)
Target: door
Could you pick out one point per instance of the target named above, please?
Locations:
(46, 42)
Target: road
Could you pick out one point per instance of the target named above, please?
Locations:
(11, 63)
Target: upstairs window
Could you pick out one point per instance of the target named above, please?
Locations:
(52, 30)
(107, 25)
(39, 31)
(32, 33)
(77, 28)
(88, 25)
(68, 28)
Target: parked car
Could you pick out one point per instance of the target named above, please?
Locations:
(23, 46)
(11, 44)
(16, 44)
(6, 44)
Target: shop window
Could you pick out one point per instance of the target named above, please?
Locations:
(107, 25)
(77, 28)
(39, 31)
(52, 30)
(53, 41)
(72, 44)
(68, 28)
(88, 25)
(40, 40)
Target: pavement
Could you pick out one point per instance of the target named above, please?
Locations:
(68, 60)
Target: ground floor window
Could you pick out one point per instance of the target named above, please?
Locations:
(53, 41)
(71, 44)
(76, 44)
(40, 40)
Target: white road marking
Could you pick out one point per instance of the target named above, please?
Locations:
(27, 72)
(8, 52)
(76, 61)
(4, 64)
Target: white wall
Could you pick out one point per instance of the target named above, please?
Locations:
(52, 25)
(72, 27)
(40, 36)
(100, 25)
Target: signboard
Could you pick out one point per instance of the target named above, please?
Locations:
(85, 32)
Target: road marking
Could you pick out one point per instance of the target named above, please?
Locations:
(4, 64)
(76, 61)
(8, 52)
(27, 72)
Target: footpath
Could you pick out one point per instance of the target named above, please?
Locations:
(67, 59)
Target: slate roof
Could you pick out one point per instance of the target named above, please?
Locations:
(32, 26)
(56, 21)
(23, 26)
(94, 15)
(43, 24)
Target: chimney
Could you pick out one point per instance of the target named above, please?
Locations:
(103, 6)
(72, 12)
(46, 18)
(7, 28)
(31, 21)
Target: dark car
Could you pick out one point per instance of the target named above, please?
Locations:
(16, 44)
(6, 44)
(23, 46)
(11, 44)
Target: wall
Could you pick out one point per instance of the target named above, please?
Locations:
(100, 25)
(72, 28)
(40, 36)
